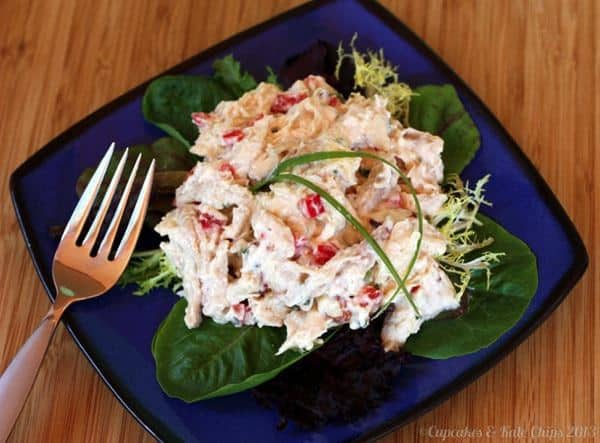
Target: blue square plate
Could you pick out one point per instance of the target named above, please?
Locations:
(115, 331)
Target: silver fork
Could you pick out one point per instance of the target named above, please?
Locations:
(77, 275)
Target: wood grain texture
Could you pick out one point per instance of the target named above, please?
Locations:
(535, 63)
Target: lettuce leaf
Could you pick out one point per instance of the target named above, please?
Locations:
(491, 311)
(229, 73)
(272, 77)
(215, 360)
(150, 270)
(437, 109)
(170, 101)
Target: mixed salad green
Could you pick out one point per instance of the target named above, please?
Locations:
(493, 270)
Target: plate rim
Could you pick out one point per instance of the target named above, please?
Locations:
(556, 297)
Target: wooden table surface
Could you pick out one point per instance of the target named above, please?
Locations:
(535, 63)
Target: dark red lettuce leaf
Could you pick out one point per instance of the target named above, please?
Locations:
(346, 378)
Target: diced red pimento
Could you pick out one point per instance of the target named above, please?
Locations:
(346, 314)
(300, 244)
(235, 135)
(238, 309)
(283, 102)
(242, 312)
(324, 252)
(333, 101)
(201, 119)
(227, 167)
(369, 294)
(208, 221)
(414, 289)
(311, 206)
(371, 291)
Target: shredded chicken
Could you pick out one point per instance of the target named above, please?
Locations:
(284, 257)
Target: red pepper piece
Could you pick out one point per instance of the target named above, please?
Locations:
(324, 252)
(235, 135)
(312, 206)
(227, 167)
(333, 101)
(283, 102)
(208, 221)
(371, 291)
(201, 119)
(242, 312)
(300, 245)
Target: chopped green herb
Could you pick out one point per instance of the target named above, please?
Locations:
(66, 291)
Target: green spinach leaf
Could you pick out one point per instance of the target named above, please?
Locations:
(215, 360)
(170, 101)
(437, 109)
(229, 73)
(272, 78)
(490, 312)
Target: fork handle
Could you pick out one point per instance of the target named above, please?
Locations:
(18, 378)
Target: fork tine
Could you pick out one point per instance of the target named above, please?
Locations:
(92, 235)
(111, 232)
(82, 210)
(137, 218)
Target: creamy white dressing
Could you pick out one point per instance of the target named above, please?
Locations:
(284, 257)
